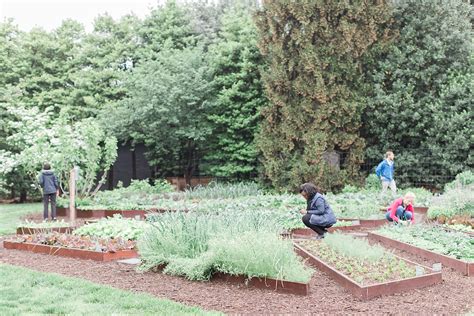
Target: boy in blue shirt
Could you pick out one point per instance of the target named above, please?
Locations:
(385, 171)
(49, 183)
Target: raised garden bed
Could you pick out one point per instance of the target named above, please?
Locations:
(103, 213)
(466, 268)
(71, 252)
(307, 232)
(279, 286)
(35, 230)
(421, 209)
(367, 223)
(366, 292)
(80, 213)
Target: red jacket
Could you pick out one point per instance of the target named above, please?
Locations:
(393, 209)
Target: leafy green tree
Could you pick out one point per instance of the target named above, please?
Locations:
(422, 92)
(38, 137)
(166, 110)
(167, 26)
(235, 61)
(50, 60)
(316, 52)
(107, 56)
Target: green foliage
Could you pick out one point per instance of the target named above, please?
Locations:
(234, 114)
(47, 293)
(218, 190)
(196, 245)
(457, 199)
(372, 183)
(37, 138)
(421, 92)
(423, 197)
(355, 247)
(316, 51)
(355, 257)
(435, 238)
(361, 204)
(113, 227)
(168, 98)
(140, 194)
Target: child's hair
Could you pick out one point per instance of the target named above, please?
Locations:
(46, 166)
(309, 188)
(388, 153)
(409, 195)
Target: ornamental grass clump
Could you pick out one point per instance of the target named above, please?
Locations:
(196, 245)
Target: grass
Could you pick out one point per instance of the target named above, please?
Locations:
(29, 292)
(11, 214)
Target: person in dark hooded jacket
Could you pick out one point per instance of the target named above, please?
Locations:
(318, 214)
(49, 183)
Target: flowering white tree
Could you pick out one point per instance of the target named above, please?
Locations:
(38, 137)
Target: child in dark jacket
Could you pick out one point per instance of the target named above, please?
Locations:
(49, 183)
(318, 215)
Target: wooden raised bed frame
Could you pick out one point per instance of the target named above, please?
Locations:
(71, 252)
(367, 223)
(466, 268)
(280, 286)
(367, 292)
(36, 230)
(309, 232)
(109, 213)
(103, 213)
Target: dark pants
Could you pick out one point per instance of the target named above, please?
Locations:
(46, 199)
(320, 230)
(401, 214)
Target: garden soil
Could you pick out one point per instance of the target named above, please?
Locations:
(453, 296)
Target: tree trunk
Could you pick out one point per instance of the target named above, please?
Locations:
(23, 196)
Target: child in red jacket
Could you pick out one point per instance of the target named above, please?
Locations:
(402, 209)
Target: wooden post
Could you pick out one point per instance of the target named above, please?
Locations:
(72, 195)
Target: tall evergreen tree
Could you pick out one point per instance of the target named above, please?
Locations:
(234, 113)
(422, 91)
(314, 82)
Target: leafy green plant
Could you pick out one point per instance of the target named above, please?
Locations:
(454, 244)
(113, 227)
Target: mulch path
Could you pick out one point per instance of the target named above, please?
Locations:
(453, 296)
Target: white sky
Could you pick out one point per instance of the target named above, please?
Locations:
(48, 14)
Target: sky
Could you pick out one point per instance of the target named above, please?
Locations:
(48, 14)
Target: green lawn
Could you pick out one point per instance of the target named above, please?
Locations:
(10, 215)
(25, 291)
